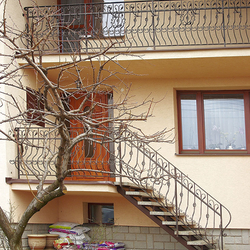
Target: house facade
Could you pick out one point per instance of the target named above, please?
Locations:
(192, 59)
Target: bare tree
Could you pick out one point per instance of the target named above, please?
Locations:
(72, 100)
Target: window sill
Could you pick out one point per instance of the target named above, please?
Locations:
(213, 154)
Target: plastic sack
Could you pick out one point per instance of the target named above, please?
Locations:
(58, 244)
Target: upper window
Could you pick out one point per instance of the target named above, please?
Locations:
(213, 122)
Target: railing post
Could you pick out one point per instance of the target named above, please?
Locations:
(221, 228)
(26, 9)
(16, 134)
(176, 203)
(153, 23)
(120, 162)
(223, 23)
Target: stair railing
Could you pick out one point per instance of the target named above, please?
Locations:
(140, 164)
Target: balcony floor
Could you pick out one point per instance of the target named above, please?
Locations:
(160, 65)
(73, 187)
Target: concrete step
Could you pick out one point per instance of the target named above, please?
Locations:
(189, 233)
(172, 223)
(142, 194)
(197, 243)
(148, 203)
(162, 213)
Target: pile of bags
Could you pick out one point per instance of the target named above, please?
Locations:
(73, 236)
(73, 232)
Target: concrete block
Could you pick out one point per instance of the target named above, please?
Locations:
(245, 237)
(134, 230)
(237, 240)
(109, 233)
(161, 237)
(141, 237)
(129, 244)
(163, 231)
(118, 236)
(118, 229)
(233, 232)
(130, 237)
(229, 240)
(172, 239)
(25, 242)
(26, 233)
(150, 241)
(169, 246)
(158, 245)
(140, 244)
(144, 230)
(238, 247)
(28, 227)
(154, 230)
(179, 246)
(214, 232)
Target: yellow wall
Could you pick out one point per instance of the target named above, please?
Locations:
(21, 199)
(72, 208)
(124, 212)
(224, 177)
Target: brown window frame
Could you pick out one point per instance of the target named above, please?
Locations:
(33, 102)
(201, 123)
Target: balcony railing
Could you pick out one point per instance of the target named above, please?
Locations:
(37, 154)
(138, 25)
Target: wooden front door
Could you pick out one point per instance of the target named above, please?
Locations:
(92, 153)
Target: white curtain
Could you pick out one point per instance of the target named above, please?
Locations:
(224, 122)
(113, 18)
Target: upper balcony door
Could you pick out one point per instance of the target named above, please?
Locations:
(80, 20)
(84, 21)
(92, 153)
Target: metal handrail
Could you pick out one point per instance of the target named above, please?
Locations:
(148, 169)
(138, 25)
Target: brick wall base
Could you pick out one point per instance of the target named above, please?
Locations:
(146, 238)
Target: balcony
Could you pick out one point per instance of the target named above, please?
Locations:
(138, 26)
(37, 154)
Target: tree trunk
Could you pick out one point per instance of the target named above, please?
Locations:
(16, 245)
(14, 234)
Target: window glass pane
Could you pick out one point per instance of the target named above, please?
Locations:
(101, 213)
(189, 121)
(224, 121)
(108, 214)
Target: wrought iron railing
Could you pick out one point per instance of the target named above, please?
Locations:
(130, 159)
(38, 148)
(138, 25)
(141, 164)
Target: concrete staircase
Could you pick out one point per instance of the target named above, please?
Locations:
(165, 215)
